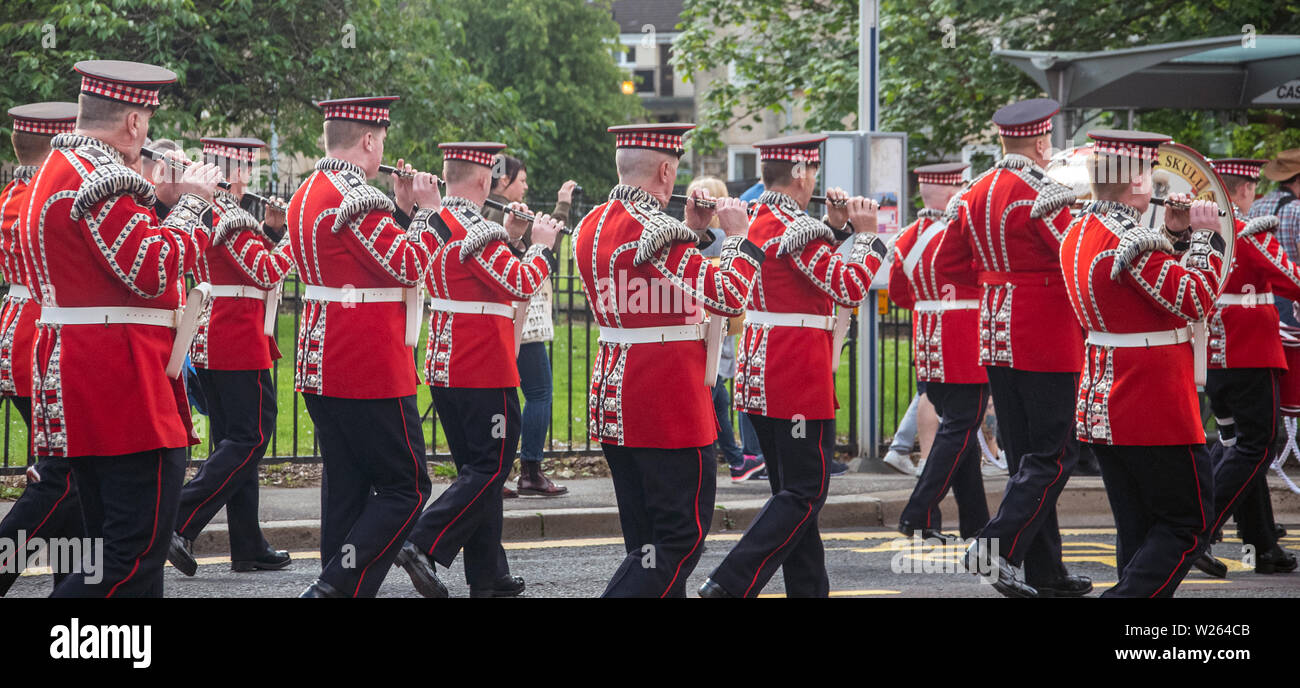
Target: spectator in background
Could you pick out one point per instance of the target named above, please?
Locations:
(744, 463)
(919, 423)
(1282, 202)
(510, 185)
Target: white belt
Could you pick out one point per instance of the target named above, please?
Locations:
(816, 322)
(1260, 299)
(1140, 339)
(479, 307)
(106, 315)
(19, 291)
(946, 305)
(238, 291)
(316, 292)
(651, 335)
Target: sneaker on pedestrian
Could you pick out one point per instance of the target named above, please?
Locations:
(900, 462)
(746, 468)
(836, 468)
(989, 468)
(761, 475)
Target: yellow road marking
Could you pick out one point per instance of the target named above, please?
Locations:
(842, 593)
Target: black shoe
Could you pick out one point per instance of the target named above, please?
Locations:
(181, 555)
(320, 589)
(424, 576)
(1278, 531)
(1004, 580)
(835, 468)
(926, 533)
(505, 586)
(1209, 564)
(270, 560)
(1276, 560)
(713, 590)
(1065, 586)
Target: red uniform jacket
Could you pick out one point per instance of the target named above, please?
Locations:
(91, 239)
(1246, 335)
(785, 371)
(1126, 278)
(1014, 217)
(945, 340)
(640, 268)
(18, 315)
(232, 333)
(342, 234)
(472, 262)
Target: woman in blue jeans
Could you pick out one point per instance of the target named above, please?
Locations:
(510, 185)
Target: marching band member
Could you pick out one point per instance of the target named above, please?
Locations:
(1134, 289)
(108, 275)
(355, 357)
(1245, 364)
(934, 275)
(470, 367)
(784, 380)
(48, 507)
(1013, 217)
(233, 355)
(510, 185)
(649, 404)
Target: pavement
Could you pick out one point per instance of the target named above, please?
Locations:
(860, 562)
(291, 516)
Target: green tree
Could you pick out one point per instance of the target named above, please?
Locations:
(939, 80)
(556, 55)
(252, 65)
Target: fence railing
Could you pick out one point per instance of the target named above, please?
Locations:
(571, 351)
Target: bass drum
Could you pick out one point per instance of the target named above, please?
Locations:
(1289, 387)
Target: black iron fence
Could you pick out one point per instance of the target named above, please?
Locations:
(571, 352)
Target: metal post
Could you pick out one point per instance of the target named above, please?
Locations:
(868, 325)
(868, 64)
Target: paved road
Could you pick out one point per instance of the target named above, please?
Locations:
(859, 561)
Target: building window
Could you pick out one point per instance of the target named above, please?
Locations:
(645, 81)
(742, 163)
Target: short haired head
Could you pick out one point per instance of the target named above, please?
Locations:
(118, 98)
(467, 167)
(647, 156)
(1122, 164)
(35, 124)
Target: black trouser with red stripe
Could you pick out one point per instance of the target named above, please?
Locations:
(130, 502)
(1162, 501)
(1249, 397)
(954, 461)
(47, 509)
(241, 416)
(784, 534)
(374, 485)
(1036, 420)
(665, 506)
(482, 429)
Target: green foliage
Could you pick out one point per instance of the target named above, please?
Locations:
(525, 73)
(556, 55)
(939, 79)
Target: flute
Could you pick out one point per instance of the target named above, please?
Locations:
(1178, 205)
(526, 216)
(389, 169)
(179, 165)
(713, 203)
